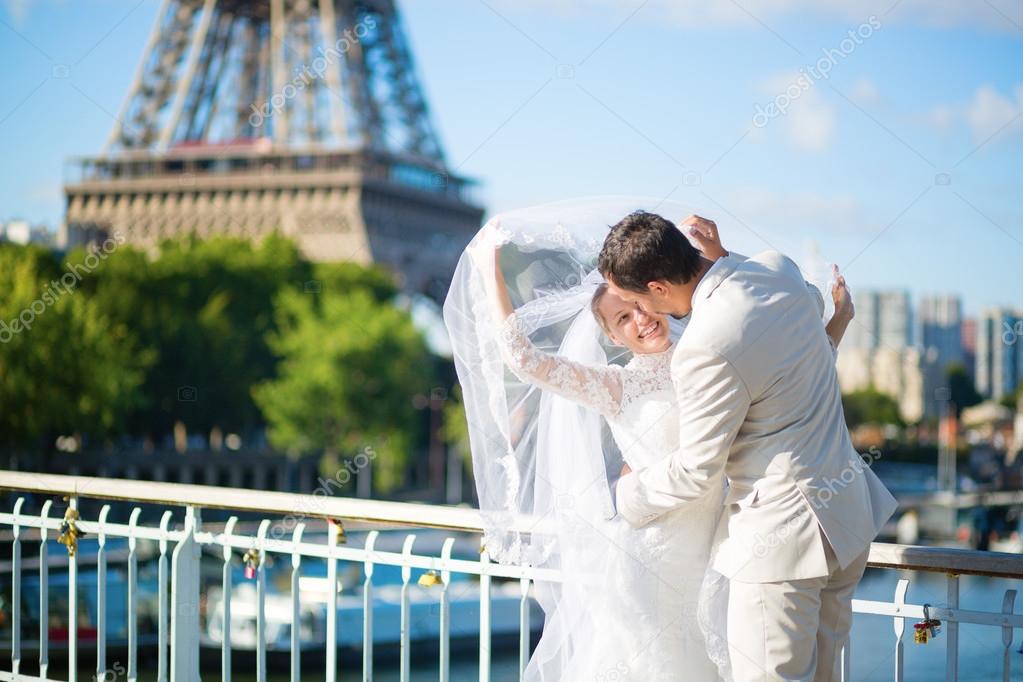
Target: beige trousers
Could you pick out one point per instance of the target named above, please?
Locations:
(792, 630)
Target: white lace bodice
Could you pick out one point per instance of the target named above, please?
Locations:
(637, 398)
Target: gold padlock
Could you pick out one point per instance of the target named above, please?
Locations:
(339, 532)
(921, 633)
(69, 531)
(429, 579)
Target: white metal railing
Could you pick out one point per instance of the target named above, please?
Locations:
(178, 560)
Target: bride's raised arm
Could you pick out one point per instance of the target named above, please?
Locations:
(844, 311)
(598, 387)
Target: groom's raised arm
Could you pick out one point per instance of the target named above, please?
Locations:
(712, 405)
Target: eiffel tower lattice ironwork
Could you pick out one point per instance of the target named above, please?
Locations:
(299, 116)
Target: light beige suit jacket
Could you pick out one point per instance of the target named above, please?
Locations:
(759, 403)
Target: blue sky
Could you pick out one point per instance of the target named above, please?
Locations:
(903, 165)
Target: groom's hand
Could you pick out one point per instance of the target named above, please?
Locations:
(705, 233)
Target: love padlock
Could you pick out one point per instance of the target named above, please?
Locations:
(926, 629)
(69, 531)
(429, 579)
(251, 560)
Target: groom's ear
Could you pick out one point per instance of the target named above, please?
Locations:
(657, 288)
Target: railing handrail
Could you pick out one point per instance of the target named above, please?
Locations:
(465, 519)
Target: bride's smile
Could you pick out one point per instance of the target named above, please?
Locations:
(627, 324)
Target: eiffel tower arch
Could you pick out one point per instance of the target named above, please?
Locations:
(300, 116)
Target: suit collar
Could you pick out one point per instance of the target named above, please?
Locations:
(718, 272)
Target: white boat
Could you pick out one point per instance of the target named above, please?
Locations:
(424, 606)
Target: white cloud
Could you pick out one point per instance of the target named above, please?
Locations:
(18, 9)
(989, 111)
(864, 92)
(807, 119)
(811, 125)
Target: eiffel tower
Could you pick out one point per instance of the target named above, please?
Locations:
(300, 116)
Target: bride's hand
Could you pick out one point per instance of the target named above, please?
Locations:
(485, 248)
(705, 233)
(841, 295)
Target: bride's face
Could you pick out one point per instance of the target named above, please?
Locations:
(629, 325)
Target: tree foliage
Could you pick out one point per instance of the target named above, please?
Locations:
(962, 392)
(350, 366)
(66, 366)
(870, 406)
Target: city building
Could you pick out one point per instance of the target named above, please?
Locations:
(905, 374)
(883, 319)
(968, 337)
(999, 361)
(941, 322)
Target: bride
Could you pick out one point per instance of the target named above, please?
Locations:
(627, 605)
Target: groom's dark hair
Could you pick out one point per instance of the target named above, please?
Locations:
(644, 247)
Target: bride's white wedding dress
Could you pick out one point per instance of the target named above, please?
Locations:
(648, 628)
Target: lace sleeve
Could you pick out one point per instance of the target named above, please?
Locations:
(596, 387)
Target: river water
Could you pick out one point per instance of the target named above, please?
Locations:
(873, 638)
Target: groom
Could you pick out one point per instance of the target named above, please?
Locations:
(759, 404)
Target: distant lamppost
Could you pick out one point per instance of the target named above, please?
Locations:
(435, 457)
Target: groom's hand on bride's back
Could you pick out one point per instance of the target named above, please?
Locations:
(705, 233)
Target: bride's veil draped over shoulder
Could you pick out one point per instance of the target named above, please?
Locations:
(544, 465)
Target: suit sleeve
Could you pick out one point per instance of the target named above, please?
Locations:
(712, 403)
(817, 297)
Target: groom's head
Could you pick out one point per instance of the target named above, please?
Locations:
(646, 259)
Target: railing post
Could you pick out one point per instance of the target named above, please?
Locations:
(484, 616)
(367, 609)
(162, 590)
(44, 593)
(524, 629)
(899, 622)
(185, 600)
(296, 603)
(952, 646)
(445, 612)
(72, 606)
(101, 594)
(264, 527)
(16, 591)
(226, 586)
(1008, 604)
(404, 649)
(332, 643)
(133, 597)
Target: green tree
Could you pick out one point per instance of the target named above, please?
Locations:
(962, 392)
(65, 365)
(349, 368)
(204, 308)
(1011, 400)
(870, 406)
